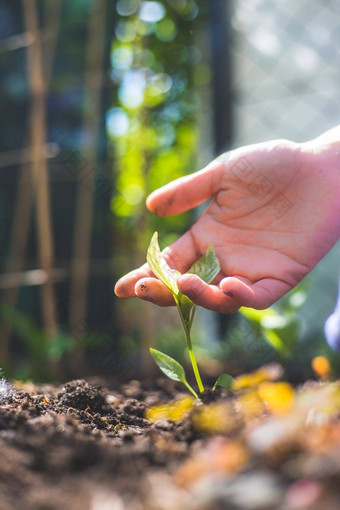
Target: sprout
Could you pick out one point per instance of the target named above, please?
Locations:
(207, 267)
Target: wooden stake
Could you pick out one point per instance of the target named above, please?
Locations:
(39, 166)
(24, 201)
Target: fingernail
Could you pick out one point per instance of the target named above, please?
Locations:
(229, 293)
(188, 294)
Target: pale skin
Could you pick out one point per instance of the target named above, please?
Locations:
(274, 213)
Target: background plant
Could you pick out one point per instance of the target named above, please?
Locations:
(279, 325)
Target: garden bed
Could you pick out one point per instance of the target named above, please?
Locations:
(87, 446)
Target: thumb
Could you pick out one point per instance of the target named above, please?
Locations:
(186, 192)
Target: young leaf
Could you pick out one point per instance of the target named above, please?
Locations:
(159, 266)
(224, 380)
(187, 310)
(168, 276)
(169, 366)
(208, 266)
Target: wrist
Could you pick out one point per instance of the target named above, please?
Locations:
(322, 155)
(325, 147)
(321, 161)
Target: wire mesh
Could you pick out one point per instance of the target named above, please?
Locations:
(286, 84)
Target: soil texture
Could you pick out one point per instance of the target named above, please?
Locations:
(86, 446)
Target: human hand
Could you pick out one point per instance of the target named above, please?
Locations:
(274, 214)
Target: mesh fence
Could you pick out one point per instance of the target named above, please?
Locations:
(286, 68)
(286, 84)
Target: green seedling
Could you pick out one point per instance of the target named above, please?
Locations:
(207, 268)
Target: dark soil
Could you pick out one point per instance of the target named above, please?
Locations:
(83, 446)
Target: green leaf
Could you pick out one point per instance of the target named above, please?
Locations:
(208, 266)
(160, 267)
(169, 277)
(257, 315)
(26, 329)
(169, 366)
(281, 332)
(224, 380)
(187, 308)
(60, 345)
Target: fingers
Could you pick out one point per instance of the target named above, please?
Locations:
(140, 284)
(259, 295)
(186, 192)
(243, 165)
(180, 255)
(151, 289)
(232, 293)
(266, 292)
(125, 287)
(208, 296)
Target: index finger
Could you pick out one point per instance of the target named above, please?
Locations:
(179, 255)
(186, 192)
(125, 287)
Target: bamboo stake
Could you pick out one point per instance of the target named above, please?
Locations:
(94, 82)
(39, 167)
(18, 241)
(24, 201)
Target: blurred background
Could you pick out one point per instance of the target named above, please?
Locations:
(103, 101)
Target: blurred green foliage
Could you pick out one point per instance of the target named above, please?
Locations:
(153, 120)
(279, 325)
(42, 353)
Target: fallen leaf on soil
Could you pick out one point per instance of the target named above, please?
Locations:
(270, 372)
(173, 411)
(279, 397)
(216, 418)
(220, 456)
